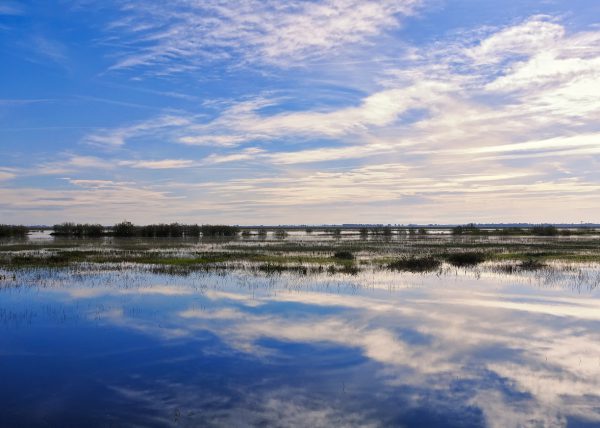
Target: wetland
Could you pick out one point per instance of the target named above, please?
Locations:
(305, 329)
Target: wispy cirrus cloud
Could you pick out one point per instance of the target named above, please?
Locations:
(11, 8)
(118, 136)
(159, 164)
(184, 35)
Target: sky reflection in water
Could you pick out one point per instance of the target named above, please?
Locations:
(125, 347)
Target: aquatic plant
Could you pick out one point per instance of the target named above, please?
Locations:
(343, 255)
(531, 264)
(415, 264)
(469, 258)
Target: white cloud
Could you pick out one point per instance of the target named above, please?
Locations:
(159, 164)
(528, 38)
(118, 137)
(183, 35)
(6, 175)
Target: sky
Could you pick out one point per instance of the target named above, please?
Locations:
(299, 112)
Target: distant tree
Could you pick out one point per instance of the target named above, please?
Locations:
(280, 233)
(544, 230)
(78, 230)
(124, 229)
(219, 230)
(7, 231)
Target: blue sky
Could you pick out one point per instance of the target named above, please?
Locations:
(306, 111)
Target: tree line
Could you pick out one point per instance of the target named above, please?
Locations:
(160, 230)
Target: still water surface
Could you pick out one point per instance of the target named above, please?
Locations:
(124, 347)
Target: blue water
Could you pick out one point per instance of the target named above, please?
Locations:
(126, 347)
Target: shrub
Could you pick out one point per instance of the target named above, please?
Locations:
(466, 259)
(344, 255)
(415, 264)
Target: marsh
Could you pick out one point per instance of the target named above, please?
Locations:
(166, 332)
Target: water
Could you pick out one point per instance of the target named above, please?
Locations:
(124, 347)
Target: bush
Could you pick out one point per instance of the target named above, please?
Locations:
(344, 255)
(415, 264)
(466, 259)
